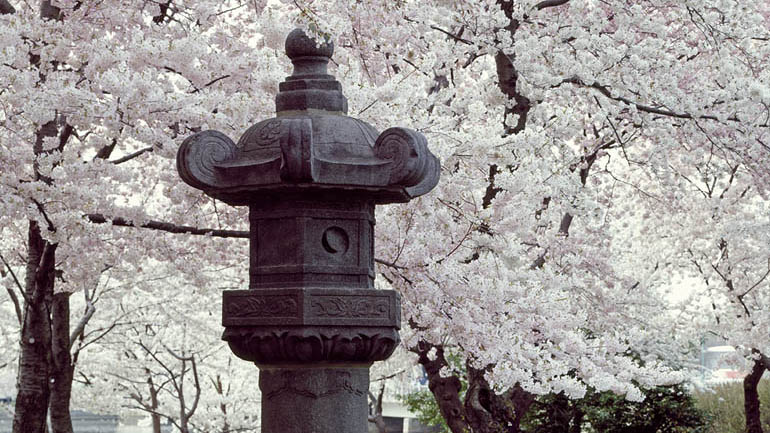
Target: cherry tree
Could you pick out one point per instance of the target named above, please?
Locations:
(728, 255)
(160, 357)
(92, 94)
(573, 135)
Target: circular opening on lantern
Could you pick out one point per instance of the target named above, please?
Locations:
(335, 240)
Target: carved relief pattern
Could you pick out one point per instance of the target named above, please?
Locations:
(268, 133)
(263, 306)
(349, 306)
(296, 382)
(408, 150)
(199, 154)
(268, 345)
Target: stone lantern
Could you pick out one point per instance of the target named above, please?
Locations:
(311, 319)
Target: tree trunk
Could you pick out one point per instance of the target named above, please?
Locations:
(153, 403)
(751, 398)
(35, 346)
(522, 401)
(62, 368)
(577, 418)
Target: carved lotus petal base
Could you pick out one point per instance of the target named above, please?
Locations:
(270, 345)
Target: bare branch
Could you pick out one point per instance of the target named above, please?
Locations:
(389, 376)
(167, 227)
(141, 406)
(11, 293)
(453, 36)
(191, 412)
(388, 264)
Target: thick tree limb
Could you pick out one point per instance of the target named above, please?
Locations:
(106, 151)
(167, 227)
(81, 326)
(375, 410)
(446, 390)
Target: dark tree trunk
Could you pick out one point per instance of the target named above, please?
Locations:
(62, 368)
(35, 346)
(446, 390)
(522, 401)
(577, 419)
(153, 403)
(751, 398)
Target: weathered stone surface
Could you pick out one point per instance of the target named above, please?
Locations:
(311, 176)
(318, 400)
(287, 345)
(312, 307)
(311, 144)
(311, 325)
(311, 242)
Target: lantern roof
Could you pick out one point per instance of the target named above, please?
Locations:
(311, 146)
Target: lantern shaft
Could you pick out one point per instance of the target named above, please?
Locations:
(317, 400)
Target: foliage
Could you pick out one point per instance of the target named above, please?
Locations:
(724, 403)
(665, 409)
(424, 406)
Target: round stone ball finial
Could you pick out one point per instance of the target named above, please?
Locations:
(299, 44)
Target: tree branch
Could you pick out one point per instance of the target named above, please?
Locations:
(167, 227)
(757, 283)
(446, 390)
(390, 376)
(453, 36)
(550, 3)
(647, 108)
(196, 400)
(106, 151)
(211, 82)
(133, 155)
(81, 326)
(11, 293)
